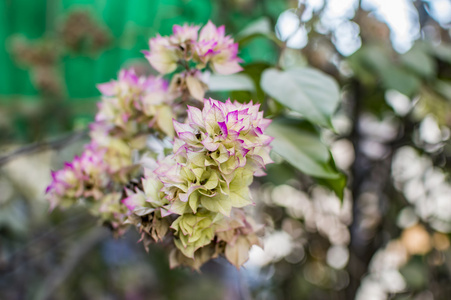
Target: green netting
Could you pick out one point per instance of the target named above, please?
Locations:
(130, 23)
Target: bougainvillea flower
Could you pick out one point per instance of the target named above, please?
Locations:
(196, 194)
(193, 231)
(184, 34)
(201, 256)
(146, 208)
(217, 152)
(149, 196)
(219, 50)
(226, 134)
(84, 177)
(163, 55)
(240, 234)
(211, 47)
(111, 211)
(127, 85)
(64, 187)
(131, 101)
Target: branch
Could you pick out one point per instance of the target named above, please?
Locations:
(41, 146)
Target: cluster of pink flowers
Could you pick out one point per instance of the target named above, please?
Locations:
(230, 133)
(85, 177)
(205, 182)
(133, 105)
(193, 199)
(209, 47)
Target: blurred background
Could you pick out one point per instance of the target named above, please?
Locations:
(387, 239)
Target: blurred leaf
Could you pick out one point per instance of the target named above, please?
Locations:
(301, 148)
(338, 184)
(418, 61)
(241, 96)
(292, 58)
(308, 91)
(443, 88)
(234, 82)
(259, 49)
(274, 8)
(432, 103)
(442, 52)
(254, 71)
(279, 173)
(367, 62)
(260, 27)
(405, 82)
(373, 62)
(414, 273)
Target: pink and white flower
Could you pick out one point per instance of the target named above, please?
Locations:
(209, 47)
(85, 177)
(128, 85)
(231, 134)
(219, 50)
(163, 55)
(184, 34)
(132, 101)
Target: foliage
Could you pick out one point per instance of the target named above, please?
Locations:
(356, 203)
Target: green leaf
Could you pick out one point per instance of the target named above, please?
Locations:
(442, 52)
(415, 273)
(259, 28)
(403, 81)
(308, 91)
(365, 69)
(255, 71)
(338, 184)
(234, 82)
(301, 148)
(372, 64)
(443, 88)
(419, 61)
(279, 173)
(292, 57)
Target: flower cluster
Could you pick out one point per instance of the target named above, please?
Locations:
(209, 47)
(192, 199)
(133, 104)
(131, 108)
(190, 51)
(205, 182)
(84, 177)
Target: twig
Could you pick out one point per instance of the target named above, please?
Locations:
(37, 147)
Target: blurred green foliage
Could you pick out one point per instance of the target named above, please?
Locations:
(32, 114)
(131, 24)
(367, 78)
